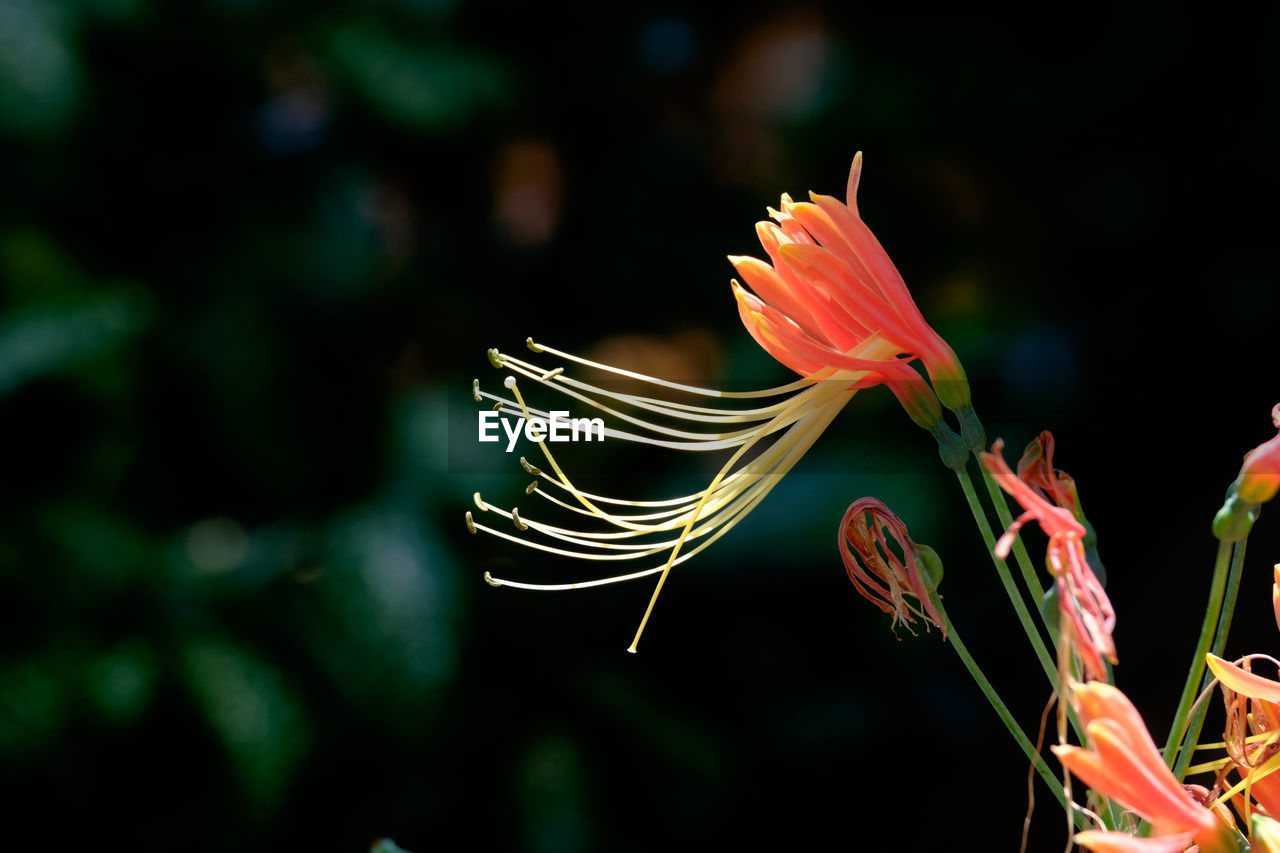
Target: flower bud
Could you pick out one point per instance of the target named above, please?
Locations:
(1257, 483)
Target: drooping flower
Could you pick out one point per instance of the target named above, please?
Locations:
(829, 286)
(1086, 613)
(843, 331)
(1121, 762)
(1037, 471)
(879, 574)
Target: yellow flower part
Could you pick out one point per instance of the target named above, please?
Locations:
(768, 432)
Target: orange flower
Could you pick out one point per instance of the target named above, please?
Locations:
(1257, 483)
(1122, 762)
(832, 286)
(1260, 475)
(1088, 617)
(832, 308)
(1252, 733)
(876, 571)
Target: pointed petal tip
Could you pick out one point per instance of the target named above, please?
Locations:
(1233, 677)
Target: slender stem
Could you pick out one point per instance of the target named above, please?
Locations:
(1010, 588)
(1229, 600)
(1002, 711)
(1020, 554)
(1211, 614)
(1219, 645)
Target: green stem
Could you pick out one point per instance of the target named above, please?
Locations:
(1219, 646)
(1211, 614)
(1002, 711)
(1020, 554)
(1010, 588)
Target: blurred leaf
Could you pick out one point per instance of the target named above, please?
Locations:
(115, 11)
(121, 682)
(39, 68)
(247, 703)
(103, 548)
(552, 791)
(42, 339)
(386, 845)
(36, 268)
(433, 88)
(385, 620)
(33, 705)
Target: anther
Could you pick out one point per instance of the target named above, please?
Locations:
(488, 578)
(531, 488)
(484, 507)
(515, 516)
(475, 390)
(532, 469)
(471, 525)
(531, 345)
(555, 371)
(495, 358)
(509, 382)
(497, 407)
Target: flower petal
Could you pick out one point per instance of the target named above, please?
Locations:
(1244, 683)
(1100, 841)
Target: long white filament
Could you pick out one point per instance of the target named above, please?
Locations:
(797, 420)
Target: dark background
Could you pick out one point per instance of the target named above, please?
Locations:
(252, 254)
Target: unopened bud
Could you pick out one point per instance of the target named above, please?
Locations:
(1234, 521)
(950, 447)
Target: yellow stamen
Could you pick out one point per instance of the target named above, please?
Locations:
(1264, 770)
(794, 422)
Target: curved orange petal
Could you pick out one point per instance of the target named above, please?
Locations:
(1244, 683)
(1100, 841)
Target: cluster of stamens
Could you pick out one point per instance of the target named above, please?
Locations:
(780, 431)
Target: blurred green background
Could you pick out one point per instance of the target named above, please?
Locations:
(252, 253)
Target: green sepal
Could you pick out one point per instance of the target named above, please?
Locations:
(1234, 521)
(930, 566)
(971, 429)
(951, 449)
(1049, 609)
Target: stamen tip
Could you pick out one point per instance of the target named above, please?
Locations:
(532, 469)
(531, 488)
(495, 358)
(491, 581)
(480, 502)
(515, 517)
(531, 345)
(471, 525)
(475, 390)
